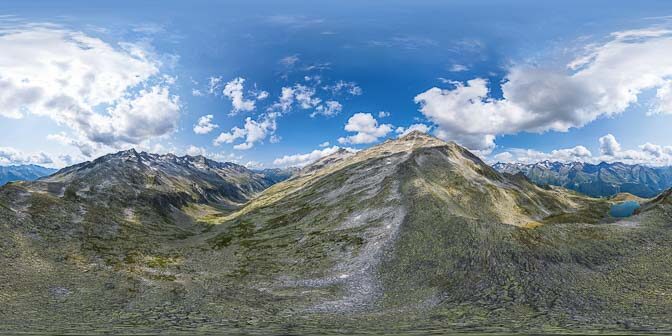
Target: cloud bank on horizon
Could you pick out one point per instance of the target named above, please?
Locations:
(72, 91)
(603, 82)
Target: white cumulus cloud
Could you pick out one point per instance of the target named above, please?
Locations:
(9, 155)
(610, 151)
(415, 127)
(304, 159)
(261, 95)
(604, 81)
(366, 128)
(235, 91)
(458, 67)
(305, 96)
(195, 151)
(214, 84)
(229, 137)
(578, 153)
(205, 125)
(329, 109)
(609, 145)
(252, 132)
(342, 86)
(108, 95)
(299, 96)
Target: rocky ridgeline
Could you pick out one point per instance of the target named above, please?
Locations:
(601, 180)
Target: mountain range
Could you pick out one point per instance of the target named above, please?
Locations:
(412, 234)
(598, 180)
(23, 173)
(166, 179)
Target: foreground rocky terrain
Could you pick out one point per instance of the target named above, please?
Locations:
(601, 180)
(412, 234)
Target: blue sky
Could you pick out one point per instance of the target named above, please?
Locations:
(511, 80)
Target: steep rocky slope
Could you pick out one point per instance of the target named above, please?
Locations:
(417, 227)
(604, 179)
(339, 224)
(91, 234)
(162, 178)
(414, 233)
(130, 200)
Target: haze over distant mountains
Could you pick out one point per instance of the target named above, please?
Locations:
(604, 179)
(598, 180)
(23, 173)
(414, 231)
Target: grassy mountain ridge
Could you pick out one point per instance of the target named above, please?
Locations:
(414, 232)
(394, 219)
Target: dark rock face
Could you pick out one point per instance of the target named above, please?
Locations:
(601, 180)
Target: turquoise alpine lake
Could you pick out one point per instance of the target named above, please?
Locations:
(624, 209)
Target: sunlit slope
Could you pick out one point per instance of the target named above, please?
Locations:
(419, 225)
(336, 227)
